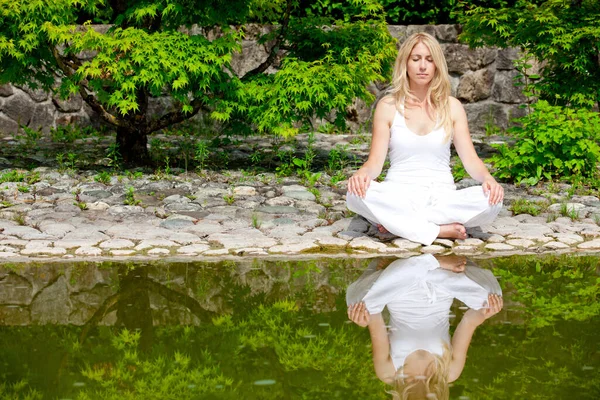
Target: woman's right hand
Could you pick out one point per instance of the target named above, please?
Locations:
(359, 314)
(359, 183)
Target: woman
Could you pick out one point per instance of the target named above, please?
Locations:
(417, 356)
(416, 122)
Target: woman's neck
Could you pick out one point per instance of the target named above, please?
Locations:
(420, 92)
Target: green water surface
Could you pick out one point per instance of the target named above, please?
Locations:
(274, 330)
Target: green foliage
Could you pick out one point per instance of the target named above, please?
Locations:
(327, 62)
(130, 199)
(12, 176)
(565, 34)
(524, 206)
(458, 170)
(103, 177)
(551, 142)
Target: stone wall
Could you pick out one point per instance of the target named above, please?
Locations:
(481, 78)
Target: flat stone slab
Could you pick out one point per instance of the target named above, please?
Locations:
(193, 249)
(592, 244)
(88, 251)
(521, 243)
(433, 249)
(294, 247)
(556, 245)
(499, 247)
(365, 242)
(117, 244)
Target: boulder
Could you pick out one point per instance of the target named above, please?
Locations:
(476, 86)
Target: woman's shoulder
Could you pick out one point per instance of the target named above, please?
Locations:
(387, 101)
(456, 108)
(386, 109)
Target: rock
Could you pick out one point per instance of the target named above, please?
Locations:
(244, 191)
(475, 86)
(176, 224)
(19, 108)
(6, 90)
(42, 118)
(444, 242)
(592, 244)
(365, 242)
(301, 195)
(15, 290)
(310, 207)
(52, 304)
(406, 244)
(499, 247)
(118, 209)
(463, 249)
(176, 198)
(56, 229)
(485, 113)
(446, 32)
(568, 238)
(298, 247)
(504, 89)
(521, 243)
(122, 252)
(159, 252)
(97, 206)
(469, 242)
(146, 244)
(38, 95)
(251, 251)
(349, 235)
(242, 238)
(71, 104)
(193, 249)
(280, 201)
(116, 244)
(331, 241)
(8, 125)
(216, 252)
(26, 233)
(556, 245)
(88, 251)
(277, 210)
(433, 249)
(505, 58)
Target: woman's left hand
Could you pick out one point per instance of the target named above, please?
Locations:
(493, 190)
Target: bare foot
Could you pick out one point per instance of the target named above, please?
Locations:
(382, 229)
(452, 263)
(453, 231)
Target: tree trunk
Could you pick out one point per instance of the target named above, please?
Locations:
(133, 146)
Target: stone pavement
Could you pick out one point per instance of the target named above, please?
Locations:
(70, 216)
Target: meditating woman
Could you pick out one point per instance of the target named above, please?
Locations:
(416, 355)
(417, 122)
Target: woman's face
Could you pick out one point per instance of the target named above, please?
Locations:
(420, 65)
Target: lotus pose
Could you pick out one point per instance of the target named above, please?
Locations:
(417, 356)
(417, 122)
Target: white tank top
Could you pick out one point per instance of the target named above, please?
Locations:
(422, 160)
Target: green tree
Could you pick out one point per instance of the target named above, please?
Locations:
(323, 63)
(563, 34)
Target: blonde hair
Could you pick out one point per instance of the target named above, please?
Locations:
(438, 93)
(434, 386)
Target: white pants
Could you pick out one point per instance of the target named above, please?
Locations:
(416, 213)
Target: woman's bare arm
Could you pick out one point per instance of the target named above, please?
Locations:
(382, 121)
(384, 368)
(466, 151)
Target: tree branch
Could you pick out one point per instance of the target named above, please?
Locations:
(275, 49)
(69, 70)
(176, 117)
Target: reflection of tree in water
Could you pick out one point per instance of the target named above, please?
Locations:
(246, 335)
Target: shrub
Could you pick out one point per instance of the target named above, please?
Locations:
(552, 141)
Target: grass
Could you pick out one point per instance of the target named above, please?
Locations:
(256, 222)
(130, 199)
(524, 206)
(229, 199)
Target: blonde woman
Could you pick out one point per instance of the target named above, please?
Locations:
(417, 356)
(417, 122)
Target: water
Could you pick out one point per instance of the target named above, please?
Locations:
(275, 330)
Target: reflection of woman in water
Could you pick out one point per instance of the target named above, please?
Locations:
(417, 356)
